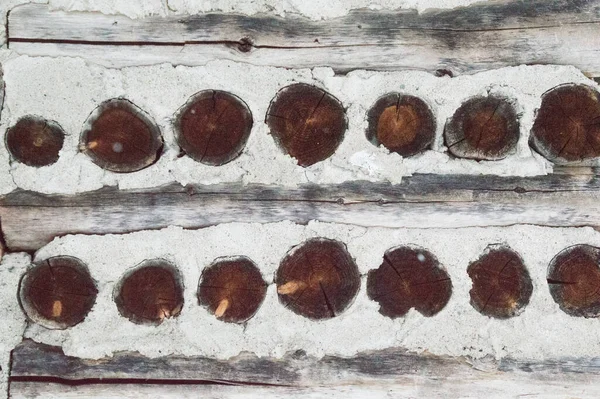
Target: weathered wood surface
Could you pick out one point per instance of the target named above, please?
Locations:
(43, 370)
(30, 220)
(482, 36)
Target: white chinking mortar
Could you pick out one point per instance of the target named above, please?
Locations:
(67, 90)
(541, 331)
(13, 322)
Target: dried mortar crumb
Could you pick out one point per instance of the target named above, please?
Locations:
(541, 331)
(67, 90)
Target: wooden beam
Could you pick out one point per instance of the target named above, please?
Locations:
(481, 36)
(31, 220)
(39, 369)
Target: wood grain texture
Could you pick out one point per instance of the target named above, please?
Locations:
(466, 39)
(31, 220)
(39, 370)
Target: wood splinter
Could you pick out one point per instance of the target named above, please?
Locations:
(222, 308)
(290, 287)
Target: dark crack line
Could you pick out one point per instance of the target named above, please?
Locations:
(327, 300)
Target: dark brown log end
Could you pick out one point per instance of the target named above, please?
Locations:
(574, 280)
(318, 279)
(567, 125)
(35, 141)
(409, 278)
(232, 289)
(307, 123)
(120, 137)
(501, 286)
(150, 293)
(401, 123)
(483, 128)
(58, 292)
(213, 127)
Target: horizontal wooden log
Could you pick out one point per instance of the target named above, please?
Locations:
(482, 36)
(39, 369)
(30, 220)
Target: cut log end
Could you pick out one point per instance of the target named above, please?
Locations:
(150, 293)
(318, 279)
(213, 127)
(58, 292)
(574, 280)
(567, 125)
(501, 286)
(35, 141)
(118, 136)
(401, 123)
(233, 289)
(483, 128)
(306, 122)
(409, 278)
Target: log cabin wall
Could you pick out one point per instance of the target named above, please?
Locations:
(71, 167)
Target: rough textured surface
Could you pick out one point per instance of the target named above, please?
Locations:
(13, 320)
(409, 278)
(567, 125)
(542, 331)
(38, 85)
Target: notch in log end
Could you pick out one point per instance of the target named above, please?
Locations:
(35, 141)
(150, 293)
(232, 289)
(574, 280)
(306, 122)
(567, 125)
(120, 137)
(483, 128)
(401, 123)
(213, 127)
(501, 285)
(318, 279)
(409, 277)
(58, 292)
